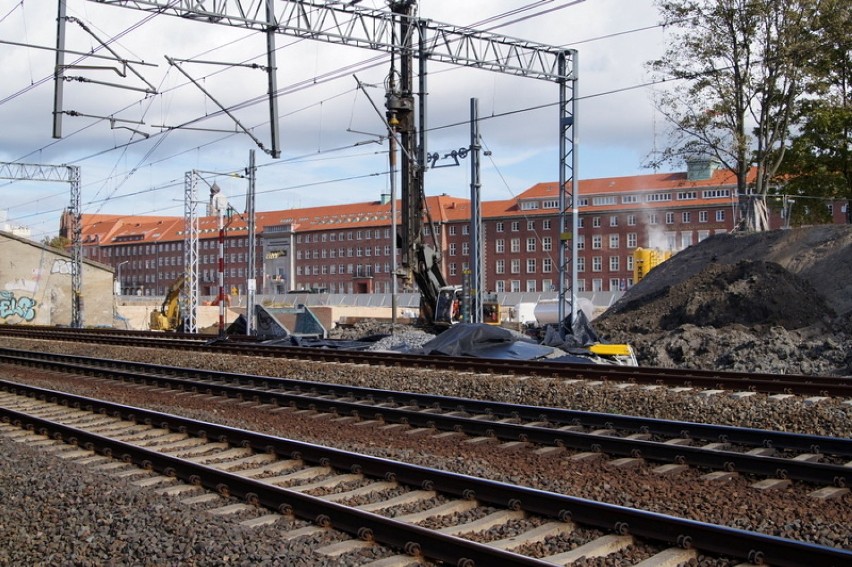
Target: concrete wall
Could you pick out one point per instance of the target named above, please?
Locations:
(35, 286)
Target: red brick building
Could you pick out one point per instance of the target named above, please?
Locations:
(347, 248)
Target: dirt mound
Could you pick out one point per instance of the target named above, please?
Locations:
(748, 293)
(763, 302)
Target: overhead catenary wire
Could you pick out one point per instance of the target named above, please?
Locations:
(377, 60)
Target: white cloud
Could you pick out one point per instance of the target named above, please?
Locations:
(615, 130)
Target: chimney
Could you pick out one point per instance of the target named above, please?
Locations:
(701, 167)
(384, 199)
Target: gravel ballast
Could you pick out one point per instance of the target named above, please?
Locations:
(790, 512)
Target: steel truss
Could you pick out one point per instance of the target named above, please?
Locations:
(375, 30)
(189, 292)
(63, 174)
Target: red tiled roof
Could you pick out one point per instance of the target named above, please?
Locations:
(111, 229)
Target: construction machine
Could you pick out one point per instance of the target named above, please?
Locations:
(168, 316)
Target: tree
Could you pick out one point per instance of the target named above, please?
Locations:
(56, 242)
(737, 72)
(818, 165)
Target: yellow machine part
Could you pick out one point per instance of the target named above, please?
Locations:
(612, 349)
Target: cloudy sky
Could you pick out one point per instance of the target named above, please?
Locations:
(329, 131)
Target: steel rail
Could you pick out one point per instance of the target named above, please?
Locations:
(219, 383)
(670, 530)
(740, 381)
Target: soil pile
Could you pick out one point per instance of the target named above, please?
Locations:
(777, 301)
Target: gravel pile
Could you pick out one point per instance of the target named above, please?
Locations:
(403, 340)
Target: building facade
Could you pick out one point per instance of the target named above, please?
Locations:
(348, 248)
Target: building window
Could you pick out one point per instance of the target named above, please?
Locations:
(452, 248)
(465, 229)
(715, 193)
(465, 248)
(515, 244)
(630, 263)
(597, 263)
(516, 266)
(581, 264)
(597, 284)
(452, 230)
(515, 286)
(550, 204)
(453, 269)
(632, 240)
(501, 286)
(499, 227)
(613, 241)
(686, 217)
(608, 200)
(501, 266)
(531, 265)
(546, 266)
(545, 224)
(686, 238)
(530, 244)
(597, 242)
(657, 197)
(596, 222)
(614, 263)
(500, 246)
(581, 222)
(613, 221)
(516, 226)
(720, 215)
(615, 284)
(669, 218)
(687, 195)
(530, 225)
(671, 240)
(703, 216)
(529, 205)
(625, 199)
(581, 242)
(531, 286)
(547, 243)
(703, 235)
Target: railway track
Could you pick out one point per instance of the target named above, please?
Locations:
(416, 511)
(782, 456)
(690, 378)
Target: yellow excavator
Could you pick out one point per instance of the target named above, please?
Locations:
(168, 316)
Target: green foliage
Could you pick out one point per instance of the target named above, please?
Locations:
(818, 162)
(737, 71)
(56, 242)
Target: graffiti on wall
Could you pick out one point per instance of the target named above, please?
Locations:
(11, 306)
(62, 267)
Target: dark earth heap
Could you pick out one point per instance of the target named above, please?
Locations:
(778, 302)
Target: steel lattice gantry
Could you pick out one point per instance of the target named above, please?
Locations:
(375, 30)
(189, 291)
(62, 174)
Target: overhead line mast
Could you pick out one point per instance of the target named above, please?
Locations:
(375, 30)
